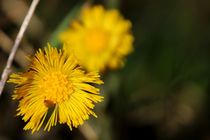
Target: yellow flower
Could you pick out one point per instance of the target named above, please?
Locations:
(100, 38)
(55, 81)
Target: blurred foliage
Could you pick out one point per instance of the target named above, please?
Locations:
(162, 92)
(54, 40)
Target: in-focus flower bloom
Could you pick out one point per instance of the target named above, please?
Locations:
(100, 38)
(55, 81)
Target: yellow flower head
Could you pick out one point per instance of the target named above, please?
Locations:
(100, 38)
(55, 81)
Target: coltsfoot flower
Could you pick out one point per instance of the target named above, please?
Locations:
(55, 81)
(100, 38)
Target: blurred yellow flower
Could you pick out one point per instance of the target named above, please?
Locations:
(55, 81)
(100, 38)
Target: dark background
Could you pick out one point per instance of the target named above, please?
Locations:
(162, 93)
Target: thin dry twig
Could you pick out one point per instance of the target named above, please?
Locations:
(6, 45)
(19, 37)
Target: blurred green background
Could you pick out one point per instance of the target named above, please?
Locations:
(162, 93)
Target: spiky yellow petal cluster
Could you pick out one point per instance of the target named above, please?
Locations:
(55, 81)
(100, 38)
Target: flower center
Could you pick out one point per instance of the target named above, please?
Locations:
(96, 40)
(55, 87)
